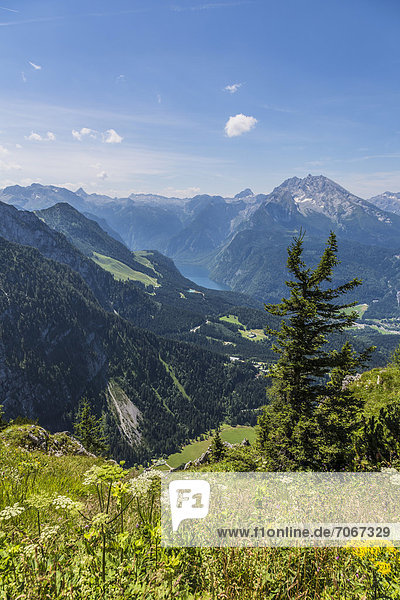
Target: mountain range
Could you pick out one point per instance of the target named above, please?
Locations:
(242, 240)
(90, 304)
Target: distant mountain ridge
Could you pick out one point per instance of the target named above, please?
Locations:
(193, 228)
(166, 284)
(388, 201)
(145, 221)
(318, 205)
(244, 238)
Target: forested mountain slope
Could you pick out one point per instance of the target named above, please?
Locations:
(175, 311)
(58, 344)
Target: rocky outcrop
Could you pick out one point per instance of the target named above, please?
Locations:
(34, 437)
(206, 456)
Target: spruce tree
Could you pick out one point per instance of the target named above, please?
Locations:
(303, 402)
(3, 422)
(217, 446)
(89, 430)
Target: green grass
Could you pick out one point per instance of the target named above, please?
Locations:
(58, 552)
(378, 388)
(233, 435)
(61, 474)
(359, 308)
(140, 257)
(244, 332)
(121, 271)
(232, 319)
(259, 334)
(177, 383)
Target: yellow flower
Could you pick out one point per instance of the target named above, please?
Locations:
(383, 567)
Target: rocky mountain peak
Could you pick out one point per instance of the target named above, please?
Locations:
(81, 192)
(244, 194)
(389, 201)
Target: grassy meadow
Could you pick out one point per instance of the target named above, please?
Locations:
(233, 435)
(122, 272)
(77, 527)
(254, 335)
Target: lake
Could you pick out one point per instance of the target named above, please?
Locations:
(199, 275)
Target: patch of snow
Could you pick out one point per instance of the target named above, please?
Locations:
(299, 199)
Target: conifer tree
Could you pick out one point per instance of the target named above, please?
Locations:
(217, 446)
(89, 430)
(3, 422)
(289, 431)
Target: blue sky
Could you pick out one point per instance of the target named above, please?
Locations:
(199, 96)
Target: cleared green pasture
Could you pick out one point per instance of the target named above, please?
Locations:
(233, 435)
(121, 271)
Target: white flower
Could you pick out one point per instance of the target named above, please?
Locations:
(9, 512)
(49, 532)
(68, 504)
(29, 550)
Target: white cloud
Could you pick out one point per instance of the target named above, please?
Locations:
(36, 67)
(3, 151)
(9, 166)
(78, 135)
(239, 124)
(18, 146)
(102, 175)
(159, 99)
(120, 79)
(232, 89)
(36, 137)
(112, 137)
(23, 76)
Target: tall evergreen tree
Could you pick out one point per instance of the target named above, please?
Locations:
(89, 429)
(217, 446)
(289, 428)
(3, 422)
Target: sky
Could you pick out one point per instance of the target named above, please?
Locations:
(180, 97)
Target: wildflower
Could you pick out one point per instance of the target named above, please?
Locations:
(107, 473)
(383, 567)
(30, 550)
(144, 482)
(119, 488)
(48, 533)
(63, 502)
(9, 512)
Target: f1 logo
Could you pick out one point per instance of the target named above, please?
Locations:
(189, 499)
